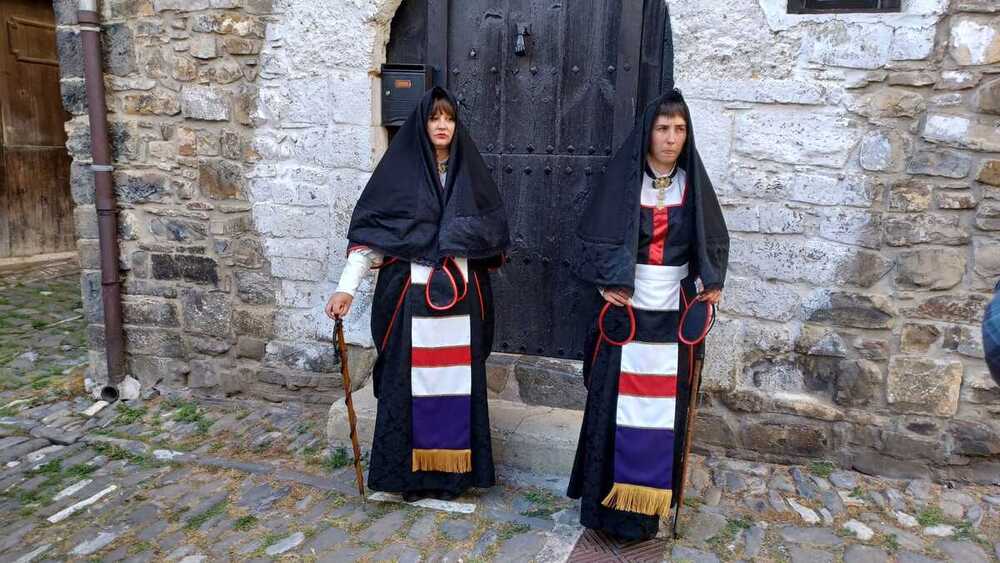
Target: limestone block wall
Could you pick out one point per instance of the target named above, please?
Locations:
(858, 158)
(242, 132)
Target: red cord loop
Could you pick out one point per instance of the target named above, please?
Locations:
(454, 286)
(631, 320)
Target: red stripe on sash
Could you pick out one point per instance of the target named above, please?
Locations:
(647, 385)
(661, 224)
(441, 357)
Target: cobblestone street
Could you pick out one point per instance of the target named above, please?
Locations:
(174, 479)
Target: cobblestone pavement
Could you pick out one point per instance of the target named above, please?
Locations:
(172, 479)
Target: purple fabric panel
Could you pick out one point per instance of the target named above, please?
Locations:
(442, 422)
(644, 457)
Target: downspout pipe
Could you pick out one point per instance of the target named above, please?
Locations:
(107, 209)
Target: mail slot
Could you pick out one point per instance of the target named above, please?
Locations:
(402, 87)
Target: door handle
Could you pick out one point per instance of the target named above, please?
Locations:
(520, 44)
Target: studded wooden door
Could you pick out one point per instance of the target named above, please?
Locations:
(36, 211)
(548, 90)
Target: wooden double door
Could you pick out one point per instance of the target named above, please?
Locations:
(548, 90)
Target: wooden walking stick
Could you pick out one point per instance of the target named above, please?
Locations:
(707, 312)
(691, 414)
(352, 419)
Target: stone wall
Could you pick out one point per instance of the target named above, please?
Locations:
(241, 131)
(858, 157)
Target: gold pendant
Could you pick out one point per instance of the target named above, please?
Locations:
(662, 183)
(442, 167)
(661, 198)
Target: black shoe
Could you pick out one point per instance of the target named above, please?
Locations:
(413, 496)
(444, 495)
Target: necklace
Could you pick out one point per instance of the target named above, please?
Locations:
(443, 167)
(661, 183)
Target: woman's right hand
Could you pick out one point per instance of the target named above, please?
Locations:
(338, 305)
(617, 296)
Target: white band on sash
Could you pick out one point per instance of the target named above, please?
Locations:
(653, 272)
(439, 381)
(658, 288)
(440, 332)
(419, 274)
(646, 412)
(650, 358)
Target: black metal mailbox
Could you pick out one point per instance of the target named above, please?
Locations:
(402, 87)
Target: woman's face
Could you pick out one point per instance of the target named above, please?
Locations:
(667, 139)
(440, 129)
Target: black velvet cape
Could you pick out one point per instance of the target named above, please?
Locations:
(608, 235)
(404, 211)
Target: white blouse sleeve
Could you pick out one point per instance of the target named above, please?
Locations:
(359, 262)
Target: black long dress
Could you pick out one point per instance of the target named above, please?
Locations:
(431, 233)
(622, 240)
(390, 467)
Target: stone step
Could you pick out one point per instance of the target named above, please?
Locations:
(535, 439)
(536, 380)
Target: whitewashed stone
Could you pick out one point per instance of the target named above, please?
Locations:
(957, 80)
(300, 294)
(812, 261)
(737, 51)
(960, 131)
(288, 221)
(714, 126)
(852, 45)
(851, 226)
(909, 44)
(975, 40)
(759, 182)
(795, 137)
(780, 219)
(765, 91)
(305, 248)
(297, 269)
(754, 298)
(742, 218)
(883, 151)
(205, 103)
(335, 146)
(724, 355)
(853, 190)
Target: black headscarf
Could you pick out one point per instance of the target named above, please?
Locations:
(608, 235)
(404, 212)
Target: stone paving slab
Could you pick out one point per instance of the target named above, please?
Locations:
(175, 479)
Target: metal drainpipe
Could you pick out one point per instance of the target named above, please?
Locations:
(107, 212)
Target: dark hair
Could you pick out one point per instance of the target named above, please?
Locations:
(671, 108)
(442, 105)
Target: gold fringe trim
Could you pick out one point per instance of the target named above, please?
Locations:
(449, 461)
(640, 499)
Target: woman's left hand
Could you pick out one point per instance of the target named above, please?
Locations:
(712, 296)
